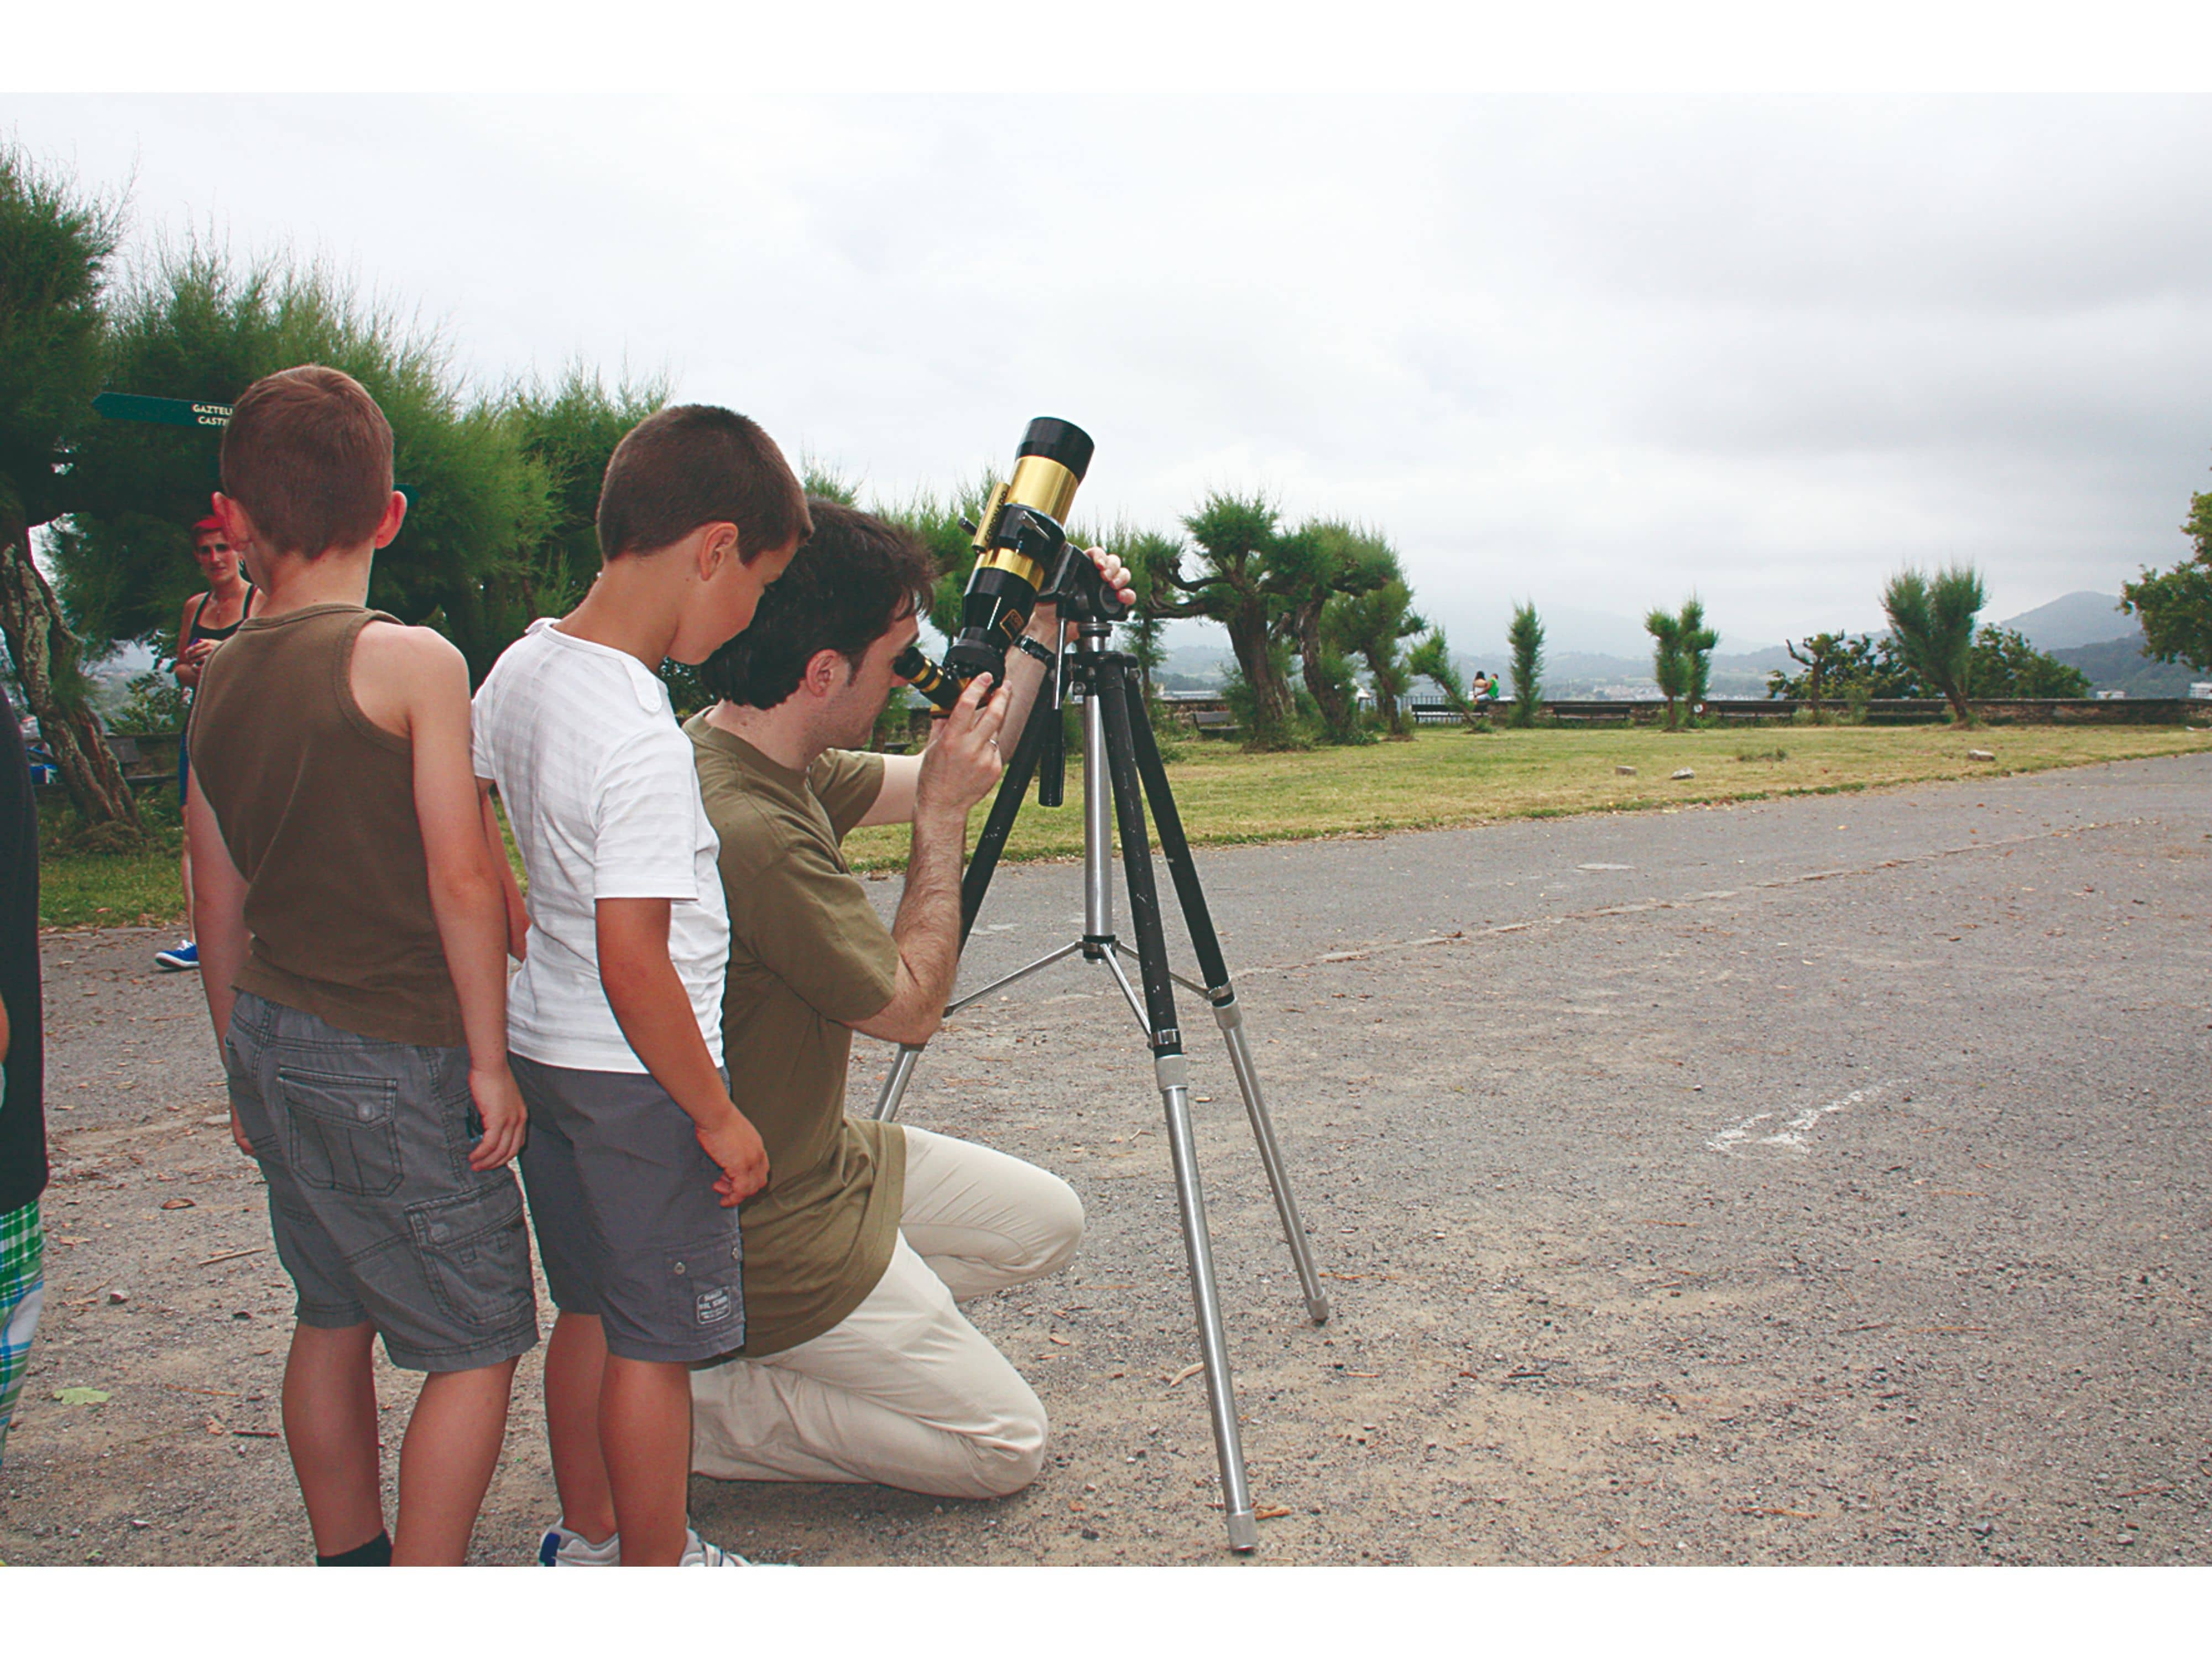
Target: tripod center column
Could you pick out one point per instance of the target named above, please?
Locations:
(1097, 804)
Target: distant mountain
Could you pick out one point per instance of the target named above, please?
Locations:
(2076, 619)
(2120, 666)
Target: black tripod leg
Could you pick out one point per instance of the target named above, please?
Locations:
(1174, 846)
(1013, 784)
(1172, 1071)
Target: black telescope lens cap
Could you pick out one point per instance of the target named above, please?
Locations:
(1058, 441)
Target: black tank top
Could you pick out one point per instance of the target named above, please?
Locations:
(200, 610)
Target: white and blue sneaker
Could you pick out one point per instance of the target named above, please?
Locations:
(698, 1552)
(186, 955)
(562, 1548)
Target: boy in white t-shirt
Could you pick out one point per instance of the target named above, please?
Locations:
(637, 1156)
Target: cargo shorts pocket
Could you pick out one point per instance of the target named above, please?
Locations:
(476, 1254)
(341, 1133)
(702, 1287)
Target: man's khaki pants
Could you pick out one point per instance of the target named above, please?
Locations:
(905, 1391)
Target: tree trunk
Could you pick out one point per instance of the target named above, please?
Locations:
(1385, 675)
(1336, 716)
(1271, 697)
(44, 655)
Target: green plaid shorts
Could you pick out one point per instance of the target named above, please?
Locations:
(23, 1292)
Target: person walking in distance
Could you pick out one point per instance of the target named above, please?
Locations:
(208, 619)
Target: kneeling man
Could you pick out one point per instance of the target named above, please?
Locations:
(857, 1364)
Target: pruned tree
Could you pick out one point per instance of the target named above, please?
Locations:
(55, 247)
(1373, 626)
(1822, 656)
(1682, 656)
(1234, 537)
(1149, 557)
(1856, 666)
(1524, 634)
(1314, 565)
(1431, 661)
(1932, 619)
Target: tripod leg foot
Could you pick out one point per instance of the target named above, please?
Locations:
(1173, 1073)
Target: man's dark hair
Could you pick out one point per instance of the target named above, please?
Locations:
(307, 453)
(691, 465)
(856, 575)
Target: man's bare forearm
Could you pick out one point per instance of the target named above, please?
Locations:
(927, 927)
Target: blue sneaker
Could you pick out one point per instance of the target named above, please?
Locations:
(186, 955)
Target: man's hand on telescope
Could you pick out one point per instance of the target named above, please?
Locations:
(962, 764)
(1044, 621)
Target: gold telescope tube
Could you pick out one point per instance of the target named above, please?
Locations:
(1023, 525)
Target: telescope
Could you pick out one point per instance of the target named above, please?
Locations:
(1023, 559)
(1022, 554)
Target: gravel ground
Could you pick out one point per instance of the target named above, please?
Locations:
(1817, 1180)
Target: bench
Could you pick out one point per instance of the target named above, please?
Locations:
(1214, 723)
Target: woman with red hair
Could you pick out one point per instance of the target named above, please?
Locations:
(208, 619)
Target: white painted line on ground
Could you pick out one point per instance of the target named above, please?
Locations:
(1789, 1136)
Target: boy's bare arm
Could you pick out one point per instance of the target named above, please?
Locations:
(218, 919)
(416, 675)
(655, 1012)
(517, 914)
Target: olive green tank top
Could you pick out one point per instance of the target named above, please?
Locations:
(317, 806)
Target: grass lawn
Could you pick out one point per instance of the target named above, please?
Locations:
(1442, 779)
(109, 890)
(1448, 778)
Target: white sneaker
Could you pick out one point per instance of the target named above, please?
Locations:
(698, 1552)
(562, 1548)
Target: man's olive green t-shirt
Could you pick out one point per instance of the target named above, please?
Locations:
(807, 953)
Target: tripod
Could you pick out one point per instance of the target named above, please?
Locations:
(1121, 766)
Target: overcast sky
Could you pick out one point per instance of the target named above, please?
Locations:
(1598, 352)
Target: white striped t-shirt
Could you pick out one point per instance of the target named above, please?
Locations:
(604, 800)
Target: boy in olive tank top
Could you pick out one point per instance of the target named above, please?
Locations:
(352, 924)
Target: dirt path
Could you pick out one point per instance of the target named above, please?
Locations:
(1821, 1181)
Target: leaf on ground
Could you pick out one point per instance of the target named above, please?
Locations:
(178, 1204)
(81, 1396)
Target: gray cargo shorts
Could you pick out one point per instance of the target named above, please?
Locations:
(377, 1216)
(629, 1226)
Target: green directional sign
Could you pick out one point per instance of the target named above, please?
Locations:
(179, 412)
(161, 412)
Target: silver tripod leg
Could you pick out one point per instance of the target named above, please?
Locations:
(1230, 1018)
(1173, 1071)
(894, 1089)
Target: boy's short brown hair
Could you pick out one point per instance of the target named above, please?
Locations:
(308, 455)
(695, 464)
